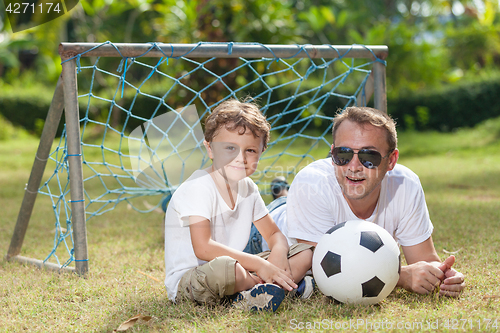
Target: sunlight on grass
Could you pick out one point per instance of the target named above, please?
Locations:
(427, 143)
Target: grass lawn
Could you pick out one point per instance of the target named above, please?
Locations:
(460, 173)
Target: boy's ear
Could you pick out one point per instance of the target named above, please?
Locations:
(209, 149)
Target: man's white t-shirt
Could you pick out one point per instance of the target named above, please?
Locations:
(198, 196)
(315, 204)
(279, 217)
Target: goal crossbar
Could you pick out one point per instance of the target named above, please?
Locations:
(221, 50)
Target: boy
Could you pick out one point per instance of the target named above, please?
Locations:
(209, 217)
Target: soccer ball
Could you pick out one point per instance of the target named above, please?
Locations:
(356, 262)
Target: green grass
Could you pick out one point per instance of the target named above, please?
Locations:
(461, 177)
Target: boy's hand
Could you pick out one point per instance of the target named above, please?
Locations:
(281, 261)
(271, 273)
(278, 258)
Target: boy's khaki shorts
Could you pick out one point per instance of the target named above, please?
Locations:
(213, 281)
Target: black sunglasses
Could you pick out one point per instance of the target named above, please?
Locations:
(368, 157)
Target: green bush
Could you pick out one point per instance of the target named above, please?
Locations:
(448, 108)
(6, 129)
(28, 107)
(24, 107)
(9, 131)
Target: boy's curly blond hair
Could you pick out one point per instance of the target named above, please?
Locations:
(236, 115)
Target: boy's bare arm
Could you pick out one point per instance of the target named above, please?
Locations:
(205, 248)
(276, 240)
(272, 234)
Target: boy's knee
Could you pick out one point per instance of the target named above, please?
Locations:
(301, 249)
(239, 272)
(221, 263)
(244, 279)
(210, 282)
(307, 253)
(221, 275)
(301, 256)
(304, 257)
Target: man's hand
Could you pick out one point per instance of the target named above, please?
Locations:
(454, 282)
(425, 271)
(421, 277)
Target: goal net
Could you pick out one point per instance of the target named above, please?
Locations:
(133, 122)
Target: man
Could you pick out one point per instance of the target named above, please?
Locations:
(362, 180)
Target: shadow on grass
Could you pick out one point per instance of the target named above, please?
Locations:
(318, 312)
(187, 316)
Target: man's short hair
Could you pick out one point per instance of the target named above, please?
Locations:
(236, 115)
(366, 115)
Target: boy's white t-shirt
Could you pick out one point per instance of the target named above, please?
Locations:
(315, 203)
(198, 196)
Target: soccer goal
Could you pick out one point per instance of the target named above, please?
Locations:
(132, 127)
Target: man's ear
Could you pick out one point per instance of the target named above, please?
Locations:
(209, 149)
(330, 153)
(393, 159)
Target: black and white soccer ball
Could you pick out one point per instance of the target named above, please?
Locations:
(356, 262)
